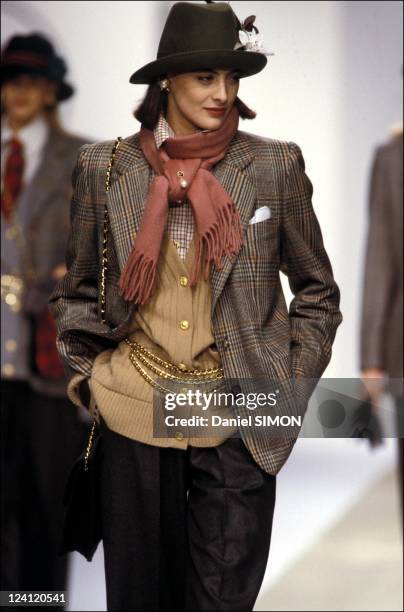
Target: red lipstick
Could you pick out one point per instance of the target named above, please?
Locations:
(216, 112)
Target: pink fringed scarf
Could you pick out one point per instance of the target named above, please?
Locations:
(182, 167)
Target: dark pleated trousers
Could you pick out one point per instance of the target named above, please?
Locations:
(41, 437)
(183, 530)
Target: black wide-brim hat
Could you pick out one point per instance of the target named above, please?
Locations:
(197, 37)
(33, 54)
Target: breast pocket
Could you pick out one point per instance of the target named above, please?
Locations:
(258, 259)
(262, 241)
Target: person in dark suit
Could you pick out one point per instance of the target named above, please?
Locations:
(381, 348)
(178, 236)
(41, 430)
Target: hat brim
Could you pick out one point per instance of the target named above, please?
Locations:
(64, 90)
(246, 62)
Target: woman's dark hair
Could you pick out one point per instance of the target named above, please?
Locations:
(155, 102)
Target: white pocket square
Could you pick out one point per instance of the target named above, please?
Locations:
(262, 213)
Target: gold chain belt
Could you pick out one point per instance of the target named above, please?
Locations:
(170, 371)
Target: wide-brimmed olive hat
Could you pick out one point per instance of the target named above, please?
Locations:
(201, 36)
(33, 54)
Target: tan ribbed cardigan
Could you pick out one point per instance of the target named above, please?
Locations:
(124, 398)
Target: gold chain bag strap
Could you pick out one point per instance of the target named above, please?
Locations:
(82, 526)
(104, 260)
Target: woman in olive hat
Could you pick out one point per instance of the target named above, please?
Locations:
(178, 236)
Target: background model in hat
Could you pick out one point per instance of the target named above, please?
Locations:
(39, 425)
(33, 54)
(199, 36)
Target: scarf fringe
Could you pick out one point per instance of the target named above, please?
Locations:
(228, 227)
(138, 277)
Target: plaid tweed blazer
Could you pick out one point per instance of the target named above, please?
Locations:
(256, 336)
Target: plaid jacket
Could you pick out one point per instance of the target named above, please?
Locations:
(256, 336)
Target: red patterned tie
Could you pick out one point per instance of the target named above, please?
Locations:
(13, 173)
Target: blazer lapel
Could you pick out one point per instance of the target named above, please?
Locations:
(127, 195)
(231, 173)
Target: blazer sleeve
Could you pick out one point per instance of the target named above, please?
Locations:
(379, 268)
(314, 311)
(81, 335)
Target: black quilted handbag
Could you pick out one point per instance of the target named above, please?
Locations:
(82, 500)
